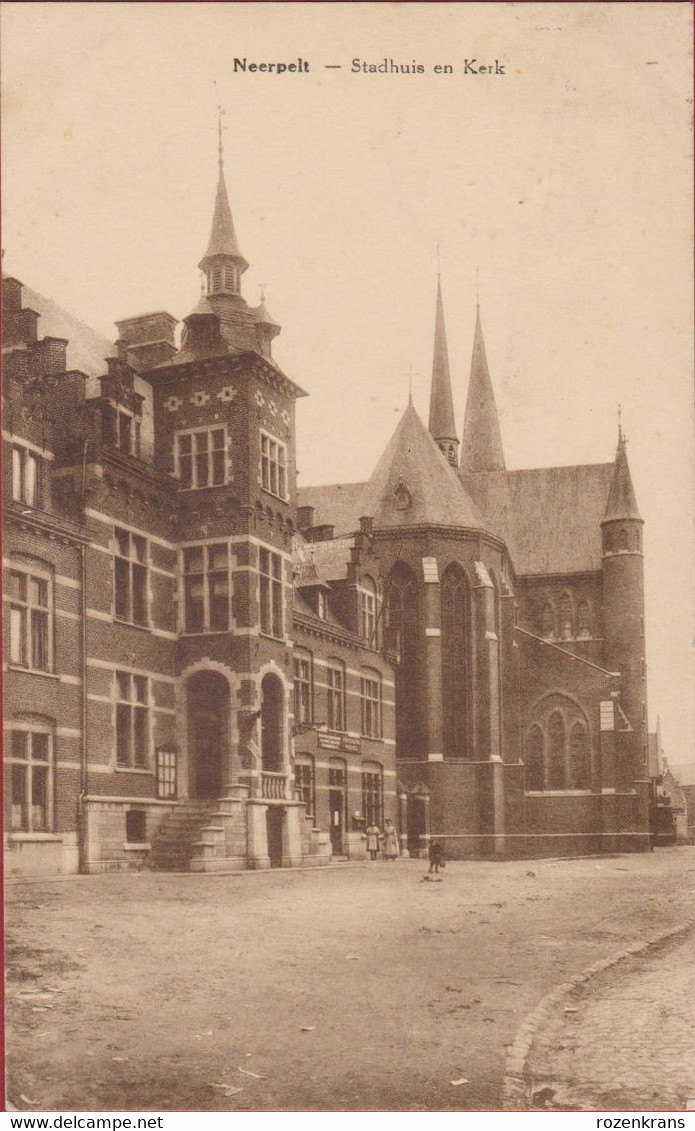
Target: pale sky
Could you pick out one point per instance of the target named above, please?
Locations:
(566, 181)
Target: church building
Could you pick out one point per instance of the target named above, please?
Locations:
(206, 669)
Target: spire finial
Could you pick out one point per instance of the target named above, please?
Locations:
(477, 288)
(220, 112)
(261, 287)
(621, 438)
(439, 265)
(410, 385)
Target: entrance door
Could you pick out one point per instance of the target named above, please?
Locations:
(208, 733)
(417, 824)
(273, 820)
(336, 808)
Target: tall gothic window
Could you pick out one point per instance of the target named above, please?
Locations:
(580, 758)
(566, 627)
(547, 621)
(401, 636)
(557, 742)
(456, 661)
(535, 767)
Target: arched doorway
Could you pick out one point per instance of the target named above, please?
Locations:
(272, 714)
(208, 733)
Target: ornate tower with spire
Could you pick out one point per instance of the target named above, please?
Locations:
(623, 608)
(482, 442)
(442, 426)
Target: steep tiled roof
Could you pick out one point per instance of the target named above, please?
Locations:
(86, 349)
(337, 504)
(413, 484)
(550, 517)
(321, 562)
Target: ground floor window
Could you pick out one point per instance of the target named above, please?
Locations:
(131, 720)
(31, 758)
(372, 795)
(304, 784)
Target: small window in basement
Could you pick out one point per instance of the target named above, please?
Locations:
(136, 826)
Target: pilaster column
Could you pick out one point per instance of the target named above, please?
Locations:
(487, 691)
(432, 666)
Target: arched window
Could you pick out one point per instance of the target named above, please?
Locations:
(566, 627)
(535, 758)
(271, 724)
(583, 619)
(401, 636)
(456, 661)
(548, 621)
(557, 743)
(580, 757)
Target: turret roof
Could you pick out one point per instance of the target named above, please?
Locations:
(223, 239)
(622, 502)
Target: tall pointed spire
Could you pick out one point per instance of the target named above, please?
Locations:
(223, 262)
(482, 441)
(622, 501)
(442, 425)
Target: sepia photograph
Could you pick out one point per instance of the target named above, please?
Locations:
(348, 558)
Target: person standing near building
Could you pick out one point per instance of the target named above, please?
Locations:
(390, 841)
(373, 833)
(436, 855)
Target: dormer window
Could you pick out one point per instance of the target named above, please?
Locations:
(128, 433)
(25, 476)
(321, 605)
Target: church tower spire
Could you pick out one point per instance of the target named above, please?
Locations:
(442, 426)
(223, 263)
(482, 441)
(622, 501)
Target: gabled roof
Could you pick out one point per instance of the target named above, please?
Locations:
(442, 424)
(317, 563)
(482, 441)
(413, 484)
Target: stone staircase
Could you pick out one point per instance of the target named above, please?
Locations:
(179, 836)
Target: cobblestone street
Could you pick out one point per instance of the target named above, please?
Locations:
(356, 987)
(625, 1040)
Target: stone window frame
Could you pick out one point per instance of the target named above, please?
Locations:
(373, 793)
(271, 596)
(26, 489)
(212, 457)
(336, 690)
(371, 703)
(305, 782)
(210, 574)
(273, 466)
(27, 616)
(131, 577)
(132, 720)
(369, 609)
(303, 689)
(23, 770)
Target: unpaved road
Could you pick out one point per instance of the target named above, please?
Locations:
(357, 987)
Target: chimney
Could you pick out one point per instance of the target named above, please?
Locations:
(305, 517)
(146, 340)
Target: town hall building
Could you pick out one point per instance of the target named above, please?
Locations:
(206, 669)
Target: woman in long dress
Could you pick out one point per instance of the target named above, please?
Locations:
(390, 841)
(373, 834)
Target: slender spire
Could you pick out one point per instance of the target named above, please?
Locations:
(482, 441)
(223, 241)
(442, 425)
(622, 501)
